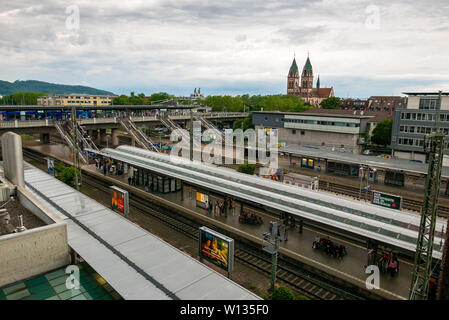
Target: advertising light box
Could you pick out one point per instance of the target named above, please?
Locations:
(217, 249)
(120, 201)
(387, 200)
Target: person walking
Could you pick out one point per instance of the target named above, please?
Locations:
(210, 208)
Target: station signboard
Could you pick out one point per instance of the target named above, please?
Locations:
(387, 200)
(217, 249)
(51, 166)
(120, 201)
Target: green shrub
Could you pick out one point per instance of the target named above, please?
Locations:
(246, 168)
(68, 176)
(282, 293)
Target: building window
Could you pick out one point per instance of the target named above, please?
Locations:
(293, 131)
(428, 104)
(303, 132)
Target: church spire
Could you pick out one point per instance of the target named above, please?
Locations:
(318, 82)
(293, 69)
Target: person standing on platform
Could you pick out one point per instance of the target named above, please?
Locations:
(285, 232)
(207, 207)
(210, 208)
(129, 180)
(152, 186)
(146, 186)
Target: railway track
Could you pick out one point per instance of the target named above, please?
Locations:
(304, 282)
(410, 204)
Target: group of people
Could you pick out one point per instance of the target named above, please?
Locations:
(219, 207)
(388, 261)
(250, 218)
(111, 167)
(330, 248)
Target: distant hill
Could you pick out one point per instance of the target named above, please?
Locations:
(45, 87)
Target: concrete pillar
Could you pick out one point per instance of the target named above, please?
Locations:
(95, 136)
(45, 138)
(114, 140)
(13, 158)
(102, 136)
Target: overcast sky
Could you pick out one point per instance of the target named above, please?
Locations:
(361, 48)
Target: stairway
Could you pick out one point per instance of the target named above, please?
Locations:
(142, 139)
(67, 138)
(208, 125)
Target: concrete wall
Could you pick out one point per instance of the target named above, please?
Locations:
(317, 138)
(33, 252)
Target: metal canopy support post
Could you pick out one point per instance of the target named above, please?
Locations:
(270, 242)
(191, 135)
(422, 269)
(75, 150)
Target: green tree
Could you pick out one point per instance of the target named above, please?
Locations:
(282, 293)
(21, 98)
(246, 168)
(330, 103)
(382, 132)
(68, 176)
(244, 124)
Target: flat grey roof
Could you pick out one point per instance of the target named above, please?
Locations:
(425, 93)
(392, 227)
(92, 107)
(319, 114)
(372, 161)
(137, 264)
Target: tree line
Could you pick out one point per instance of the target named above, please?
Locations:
(21, 98)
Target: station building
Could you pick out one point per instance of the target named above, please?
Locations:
(320, 129)
(410, 125)
(75, 99)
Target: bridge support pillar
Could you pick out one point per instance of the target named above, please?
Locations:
(45, 138)
(95, 136)
(103, 137)
(114, 137)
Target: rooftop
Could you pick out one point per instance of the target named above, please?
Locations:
(15, 209)
(425, 93)
(52, 286)
(376, 162)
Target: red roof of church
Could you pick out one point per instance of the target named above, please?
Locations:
(322, 92)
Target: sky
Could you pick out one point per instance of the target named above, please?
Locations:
(360, 48)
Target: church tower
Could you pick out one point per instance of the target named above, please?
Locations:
(293, 79)
(307, 77)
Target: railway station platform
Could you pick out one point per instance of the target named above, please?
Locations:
(299, 246)
(137, 264)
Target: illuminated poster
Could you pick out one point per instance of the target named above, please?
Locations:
(119, 201)
(217, 249)
(201, 199)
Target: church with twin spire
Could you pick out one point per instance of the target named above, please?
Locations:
(305, 88)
